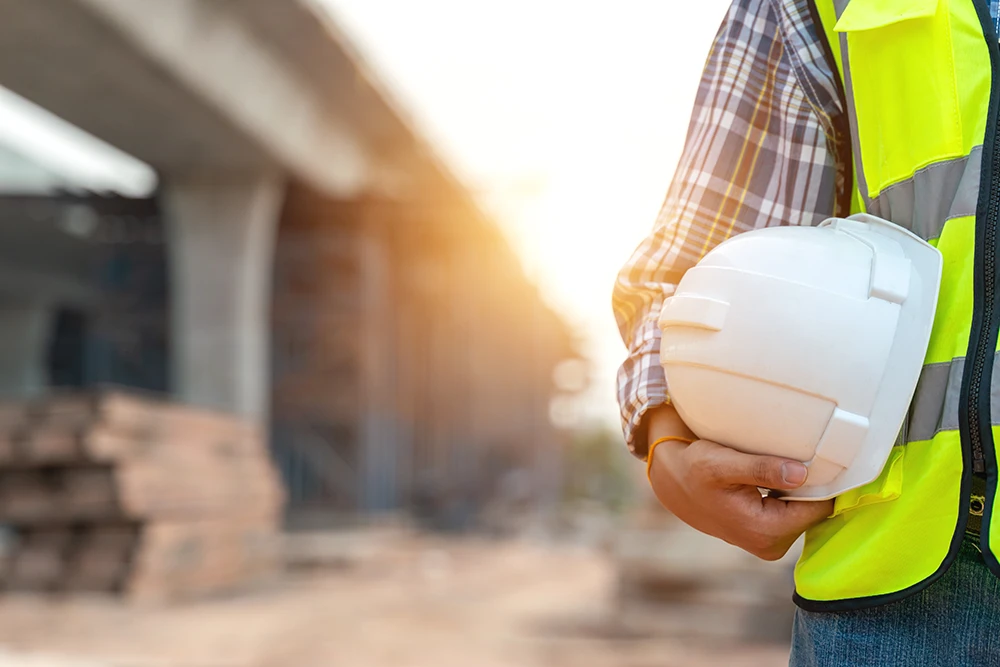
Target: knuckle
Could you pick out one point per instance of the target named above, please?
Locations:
(763, 472)
(714, 472)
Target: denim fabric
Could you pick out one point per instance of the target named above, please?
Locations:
(955, 622)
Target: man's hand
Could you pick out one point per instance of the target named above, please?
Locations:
(714, 489)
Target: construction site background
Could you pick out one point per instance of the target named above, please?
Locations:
(604, 578)
(277, 389)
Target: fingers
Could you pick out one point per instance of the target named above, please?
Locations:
(773, 515)
(797, 514)
(767, 527)
(781, 522)
(714, 489)
(725, 466)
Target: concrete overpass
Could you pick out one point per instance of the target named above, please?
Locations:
(228, 100)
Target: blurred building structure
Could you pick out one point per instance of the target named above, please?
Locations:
(307, 262)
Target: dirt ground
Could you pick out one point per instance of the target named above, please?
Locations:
(426, 602)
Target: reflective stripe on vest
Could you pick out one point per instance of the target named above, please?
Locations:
(934, 195)
(935, 404)
(917, 75)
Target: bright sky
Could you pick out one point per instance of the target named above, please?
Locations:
(567, 115)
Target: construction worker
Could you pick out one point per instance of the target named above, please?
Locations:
(809, 109)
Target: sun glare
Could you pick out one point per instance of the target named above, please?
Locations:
(584, 103)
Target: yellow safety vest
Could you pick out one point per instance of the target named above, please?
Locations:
(919, 80)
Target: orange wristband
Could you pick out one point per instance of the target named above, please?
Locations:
(657, 443)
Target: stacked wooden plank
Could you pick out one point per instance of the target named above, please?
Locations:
(109, 492)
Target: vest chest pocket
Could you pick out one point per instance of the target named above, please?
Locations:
(900, 70)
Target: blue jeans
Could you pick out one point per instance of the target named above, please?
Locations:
(955, 622)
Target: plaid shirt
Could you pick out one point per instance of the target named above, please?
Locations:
(768, 144)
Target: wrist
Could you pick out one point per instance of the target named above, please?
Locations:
(678, 440)
(664, 422)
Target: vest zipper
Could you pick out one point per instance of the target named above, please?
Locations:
(980, 419)
(975, 416)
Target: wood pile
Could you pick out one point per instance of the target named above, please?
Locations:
(108, 492)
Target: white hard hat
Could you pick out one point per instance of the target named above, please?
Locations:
(805, 343)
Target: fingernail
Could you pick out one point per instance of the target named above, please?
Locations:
(793, 473)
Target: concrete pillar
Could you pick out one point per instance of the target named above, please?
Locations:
(222, 232)
(378, 454)
(25, 329)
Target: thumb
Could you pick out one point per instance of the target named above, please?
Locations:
(767, 472)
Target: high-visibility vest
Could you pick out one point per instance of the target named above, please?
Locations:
(918, 77)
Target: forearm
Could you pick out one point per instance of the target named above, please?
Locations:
(770, 163)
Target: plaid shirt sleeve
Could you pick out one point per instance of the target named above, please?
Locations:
(766, 146)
